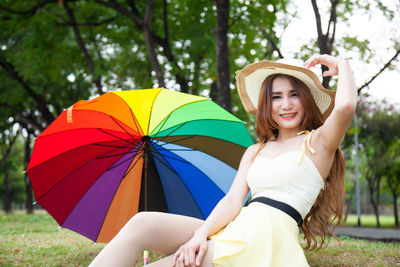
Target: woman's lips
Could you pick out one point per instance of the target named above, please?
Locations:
(288, 116)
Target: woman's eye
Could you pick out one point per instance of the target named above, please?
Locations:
(276, 97)
(294, 94)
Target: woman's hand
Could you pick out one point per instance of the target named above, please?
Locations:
(192, 252)
(329, 61)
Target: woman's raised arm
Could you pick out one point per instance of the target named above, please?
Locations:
(336, 125)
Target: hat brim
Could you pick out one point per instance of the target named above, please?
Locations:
(250, 79)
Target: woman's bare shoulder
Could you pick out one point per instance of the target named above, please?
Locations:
(252, 150)
(255, 147)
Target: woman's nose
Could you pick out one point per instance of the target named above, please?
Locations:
(286, 103)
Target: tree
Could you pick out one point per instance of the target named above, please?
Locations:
(4, 165)
(11, 171)
(379, 135)
(222, 54)
(393, 178)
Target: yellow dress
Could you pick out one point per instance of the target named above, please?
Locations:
(261, 235)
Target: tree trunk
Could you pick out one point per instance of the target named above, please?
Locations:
(96, 80)
(348, 204)
(325, 40)
(39, 99)
(150, 44)
(151, 39)
(4, 162)
(375, 206)
(222, 54)
(7, 199)
(28, 185)
(214, 92)
(396, 217)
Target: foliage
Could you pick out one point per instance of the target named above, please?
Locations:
(42, 47)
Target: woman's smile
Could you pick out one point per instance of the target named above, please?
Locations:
(288, 116)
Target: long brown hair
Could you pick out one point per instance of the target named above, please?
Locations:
(326, 213)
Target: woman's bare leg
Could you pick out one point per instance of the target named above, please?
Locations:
(207, 260)
(161, 232)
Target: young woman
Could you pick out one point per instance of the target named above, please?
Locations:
(295, 173)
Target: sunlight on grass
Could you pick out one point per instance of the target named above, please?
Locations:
(370, 220)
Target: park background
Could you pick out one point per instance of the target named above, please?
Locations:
(56, 52)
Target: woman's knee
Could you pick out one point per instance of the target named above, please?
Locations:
(141, 222)
(138, 227)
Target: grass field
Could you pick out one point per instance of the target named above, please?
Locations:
(37, 240)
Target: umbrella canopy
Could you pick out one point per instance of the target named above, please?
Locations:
(103, 160)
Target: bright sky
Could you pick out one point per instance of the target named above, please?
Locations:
(375, 29)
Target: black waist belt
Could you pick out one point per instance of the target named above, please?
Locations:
(281, 206)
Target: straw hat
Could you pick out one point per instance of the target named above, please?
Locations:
(250, 79)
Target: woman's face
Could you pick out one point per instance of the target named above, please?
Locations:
(287, 110)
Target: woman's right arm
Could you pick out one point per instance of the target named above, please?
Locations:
(223, 213)
(229, 206)
(332, 132)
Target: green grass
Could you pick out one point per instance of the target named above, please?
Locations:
(37, 240)
(370, 221)
(355, 252)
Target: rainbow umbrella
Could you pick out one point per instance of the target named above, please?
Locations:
(103, 160)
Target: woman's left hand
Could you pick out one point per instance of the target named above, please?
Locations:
(331, 62)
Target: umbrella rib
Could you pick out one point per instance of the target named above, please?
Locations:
(176, 110)
(110, 156)
(122, 162)
(134, 120)
(177, 128)
(151, 110)
(176, 149)
(164, 122)
(96, 144)
(115, 120)
(181, 149)
(175, 141)
(159, 156)
(134, 144)
(138, 156)
(102, 156)
(153, 149)
(183, 161)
